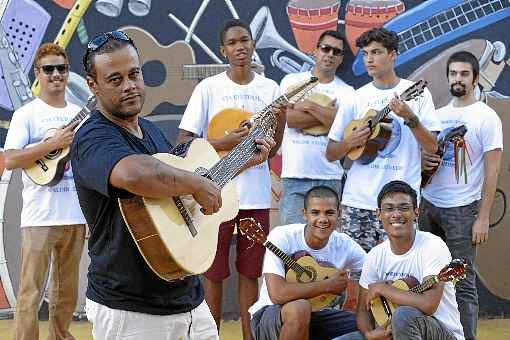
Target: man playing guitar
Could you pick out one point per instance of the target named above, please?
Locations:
(111, 158)
(242, 89)
(407, 252)
(283, 310)
(458, 209)
(400, 158)
(52, 223)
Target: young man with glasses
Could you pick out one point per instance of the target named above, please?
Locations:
(52, 224)
(411, 123)
(240, 89)
(407, 253)
(458, 209)
(304, 164)
(111, 157)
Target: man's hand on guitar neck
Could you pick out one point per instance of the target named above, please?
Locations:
(264, 146)
(401, 108)
(62, 138)
(429, 161)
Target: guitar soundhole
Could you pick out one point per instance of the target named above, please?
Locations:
(309, 275)
(54, 154)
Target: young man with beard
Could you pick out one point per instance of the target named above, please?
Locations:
(406, 253)
(458, 209)
(400, 158)
(283, 310)
(304, 164)
(242, 89)
(52, 224)
(111, 157)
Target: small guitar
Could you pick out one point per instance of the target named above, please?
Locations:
(305, 269)
(172, 234)
(382, 309)
(230, 119)
(322, 100)
(50, 169)
(380, 127)
(454, 134)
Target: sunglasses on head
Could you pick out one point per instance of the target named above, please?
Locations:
(326, 49)
(98, 41)
(61, 68)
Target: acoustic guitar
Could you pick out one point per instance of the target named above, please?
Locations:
(303, 270)
(230, 119)
(456, 133)
(380, 127)
(322, 100)
(50, 169)
(172, 234)
(382, 309)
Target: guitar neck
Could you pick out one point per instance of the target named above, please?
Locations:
(426, 285)
(381, 115)
(197, 71)
(291, 263)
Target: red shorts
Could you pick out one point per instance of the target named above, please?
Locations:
(250, 255)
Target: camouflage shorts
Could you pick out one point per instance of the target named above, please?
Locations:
(363, 226)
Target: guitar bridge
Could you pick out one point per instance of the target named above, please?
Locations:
(186, 216)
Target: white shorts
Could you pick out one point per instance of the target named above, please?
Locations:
(116, 324)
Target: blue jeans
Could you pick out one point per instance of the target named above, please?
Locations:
(293, 196)
(408, 323)
(454, 226)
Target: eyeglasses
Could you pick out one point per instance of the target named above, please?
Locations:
(403, 208)
(326, 49)
(102, 39)
(48, 69)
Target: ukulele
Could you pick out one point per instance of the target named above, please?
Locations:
(382, 309)
(380, 127)
(454, 134)
(50, 169)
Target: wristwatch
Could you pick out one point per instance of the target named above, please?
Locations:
(412, 122)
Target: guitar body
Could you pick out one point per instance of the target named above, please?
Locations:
(426, 175)
(319, 273)
(322, 100)
(177, 53)
(224, 122)
(50, 169)
(382, 309)
(161, 233)
(380, 136)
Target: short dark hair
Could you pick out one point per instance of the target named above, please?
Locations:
(464, 57)
(233, 23)
(321, 191)
(397, 187)
(111, 45)
(333, 34)
(388, 39)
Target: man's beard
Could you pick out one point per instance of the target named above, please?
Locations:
(124, 114)
(458, 93)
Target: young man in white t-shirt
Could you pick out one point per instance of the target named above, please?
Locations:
(242, 89)
(458, 209)
(52, 223)
(407, 253)
(412, 122)
(304, 164)
(283, 310)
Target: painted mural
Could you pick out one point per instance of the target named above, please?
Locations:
(179, 46)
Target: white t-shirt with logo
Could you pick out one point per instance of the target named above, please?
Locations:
(304, 156)
(399, 160)
(44, 205)
(218, 93)
(484, 133)
(428, 255)
(341, 252)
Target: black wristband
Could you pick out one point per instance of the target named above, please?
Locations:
(412, 122)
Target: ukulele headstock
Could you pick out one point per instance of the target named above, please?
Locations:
(454, 271)
(252, 230)
(414, 91)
